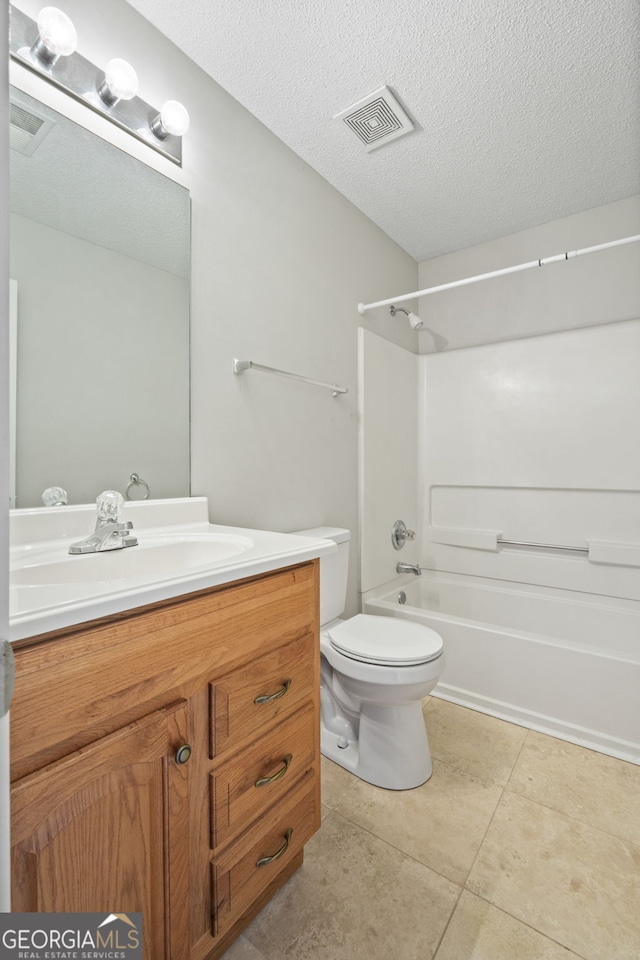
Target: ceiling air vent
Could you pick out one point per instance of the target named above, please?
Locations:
(27, 129)
(376, 119)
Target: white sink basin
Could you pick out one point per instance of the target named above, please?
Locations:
(154, 558)
(178, 552)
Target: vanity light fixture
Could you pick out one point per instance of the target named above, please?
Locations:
(47, 47)
(56, 38)
(173, 119)
(120, 82)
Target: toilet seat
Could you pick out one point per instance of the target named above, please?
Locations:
(386, 641)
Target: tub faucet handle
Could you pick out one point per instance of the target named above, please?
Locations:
(400, 534)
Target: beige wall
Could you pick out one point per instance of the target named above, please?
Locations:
(599, 288)
(280, 261)
(118, 401)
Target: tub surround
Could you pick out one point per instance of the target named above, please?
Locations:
(388, 452)
(532, 439)
(40, 538)
(525, 441)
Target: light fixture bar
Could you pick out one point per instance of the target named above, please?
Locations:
(81, 79)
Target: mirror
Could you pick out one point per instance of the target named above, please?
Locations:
(100, 256)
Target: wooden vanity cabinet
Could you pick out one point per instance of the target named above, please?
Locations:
(107, 828)
(166, 761)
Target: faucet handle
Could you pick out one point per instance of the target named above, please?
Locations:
(400, 534)
(109, 504)
(54, 497)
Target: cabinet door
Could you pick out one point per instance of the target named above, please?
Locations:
(106, 829)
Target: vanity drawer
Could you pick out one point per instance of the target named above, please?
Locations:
(243, 702)
(139, 660)
(258, 777)
(241, 873)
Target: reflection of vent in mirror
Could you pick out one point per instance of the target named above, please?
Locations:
(99, 247)
(376, 119)
(27, 130)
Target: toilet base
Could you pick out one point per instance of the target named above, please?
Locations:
(391, 750)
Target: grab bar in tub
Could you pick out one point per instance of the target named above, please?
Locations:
(546, 546)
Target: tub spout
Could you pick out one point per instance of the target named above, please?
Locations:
(408, 568)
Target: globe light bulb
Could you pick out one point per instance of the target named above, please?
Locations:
(120, 82)
(173, 120)
(57, 35)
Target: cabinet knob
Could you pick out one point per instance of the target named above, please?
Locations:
(263, 861)
(267, 698)
(183, 753)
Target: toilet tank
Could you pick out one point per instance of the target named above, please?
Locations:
(334, 570)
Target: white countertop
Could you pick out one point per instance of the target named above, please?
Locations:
(40, 542)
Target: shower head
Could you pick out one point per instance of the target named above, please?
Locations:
(414, 319)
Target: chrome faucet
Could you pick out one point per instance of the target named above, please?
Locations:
(408, 568)
(109, 534)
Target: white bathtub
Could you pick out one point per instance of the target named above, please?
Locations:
(553, 660)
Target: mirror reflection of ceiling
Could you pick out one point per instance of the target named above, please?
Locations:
(140, 220)
(526, 112)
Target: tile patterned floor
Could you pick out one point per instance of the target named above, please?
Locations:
(520, 847)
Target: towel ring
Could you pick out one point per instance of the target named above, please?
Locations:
(134, 480)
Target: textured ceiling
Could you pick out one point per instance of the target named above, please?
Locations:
(525, 111)
(77, 183)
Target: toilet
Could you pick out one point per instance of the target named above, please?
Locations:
(374, 673)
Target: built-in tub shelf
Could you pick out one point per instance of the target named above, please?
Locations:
(614, 552)
(611, 552)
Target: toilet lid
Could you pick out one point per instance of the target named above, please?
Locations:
(385, 640)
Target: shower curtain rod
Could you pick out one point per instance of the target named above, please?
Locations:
(363, 307)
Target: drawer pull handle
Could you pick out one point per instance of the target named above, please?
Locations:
(263, 861)
(183, 753)
(267, 698)
(263, 781)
